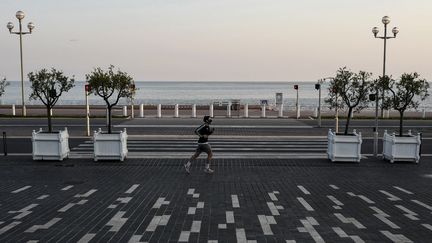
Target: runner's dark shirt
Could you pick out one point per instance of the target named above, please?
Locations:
(203, 132)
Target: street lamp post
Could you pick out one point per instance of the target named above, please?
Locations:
(318, 87)
(20, 16)
(385, 20)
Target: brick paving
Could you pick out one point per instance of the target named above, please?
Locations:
(248, 200)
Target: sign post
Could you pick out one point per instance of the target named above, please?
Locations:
(87, 90)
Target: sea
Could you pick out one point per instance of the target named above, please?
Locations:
(187, 93)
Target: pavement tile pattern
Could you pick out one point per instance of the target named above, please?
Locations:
(245, 200)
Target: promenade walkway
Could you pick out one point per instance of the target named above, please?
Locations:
(246, 200)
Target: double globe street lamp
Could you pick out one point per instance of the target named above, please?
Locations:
(385, 20)
(20, 16)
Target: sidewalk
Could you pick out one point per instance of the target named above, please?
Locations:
(259, 200)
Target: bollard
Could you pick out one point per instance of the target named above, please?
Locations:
(51, 112)
(229, 110)
(159, 111)
(211, 111)
(124, 110)
(298, 112)
(281, 111)
(263, 111)
(141, 110)
(315, 112)
(194, 110)
(424, 113)
(246, 110)
(176, 111)
(13, 110)
(4, 144)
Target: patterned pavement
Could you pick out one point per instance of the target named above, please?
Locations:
(246, 200)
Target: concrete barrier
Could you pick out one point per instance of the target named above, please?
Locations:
(280, 111)
(211, 111)
(141, 108)
(159, 111)
(124, 110)
(194, 110)
(176, 110)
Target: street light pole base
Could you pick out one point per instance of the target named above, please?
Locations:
(375, 147)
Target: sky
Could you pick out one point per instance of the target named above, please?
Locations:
(217, 40)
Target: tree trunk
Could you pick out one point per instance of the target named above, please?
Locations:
(348, 120)
(401, 112)
(49, 118)
(382, 103)
(109, 119)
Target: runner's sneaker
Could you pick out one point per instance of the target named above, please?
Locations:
(208, 171)
(187, 167)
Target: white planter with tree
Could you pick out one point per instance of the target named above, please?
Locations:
(404, 94)
(348, 91)
(48, 87)
(111, 86)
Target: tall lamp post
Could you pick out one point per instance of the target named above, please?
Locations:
(20, 16)
(385, 20)
(318, 87)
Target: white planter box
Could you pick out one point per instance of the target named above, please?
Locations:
(344, 148)
(110, 146)
(401, 148)
(50, 146)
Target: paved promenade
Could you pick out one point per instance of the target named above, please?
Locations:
(271, 184)
(245, 200)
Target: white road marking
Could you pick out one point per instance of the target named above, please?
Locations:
(308, 228)
(335, 200)
(427, 226)
(50, 223)
(273, 208)
(67, 188)
(272, 196)
(305, 204)
(132, 188)
(184, 236)
(87, 194)
(42, 197)
(265, 224)
(196, 227)
(235, 201)
(304, 190)
(353, 221)
(158, 221)
(9, 226)
(87, 238)
(229, 217)
(117, 221)
(241, 236)
(408, 213)
(342, 234)
(21, 189)
(396, 237)
(24, 211)
(334, 187)
(222, 226)
(422, 204)
(391, 197)
(159, 202)
(403, 190)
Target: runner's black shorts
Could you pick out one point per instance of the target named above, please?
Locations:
(203, 147)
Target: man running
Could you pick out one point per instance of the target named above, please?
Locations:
(203, 132)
